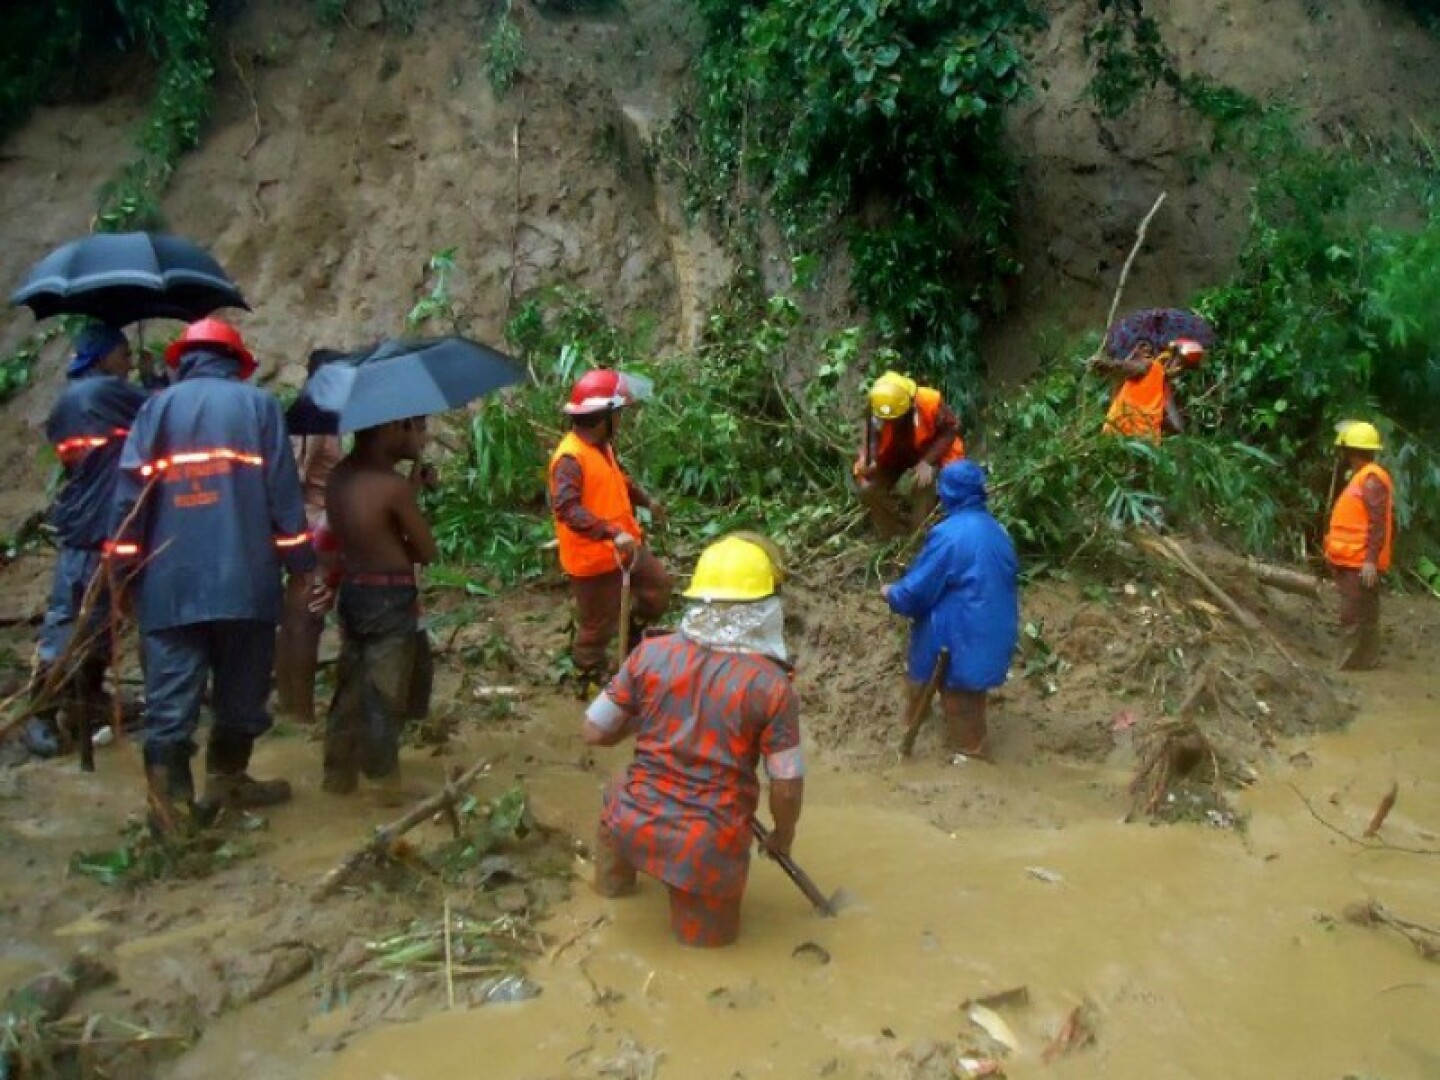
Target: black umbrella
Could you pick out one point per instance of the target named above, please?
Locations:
(397, 380)
(121, 278)
(1158, 326)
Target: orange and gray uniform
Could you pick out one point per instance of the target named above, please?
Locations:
(208, 511)
(594, 500)
(930, 432)
(1361, 531)
(1138, 409)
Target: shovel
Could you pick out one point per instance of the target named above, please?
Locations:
(625, 606)
(921, 704)
(825, 906)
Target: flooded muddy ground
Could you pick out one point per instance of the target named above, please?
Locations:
(1193, 950)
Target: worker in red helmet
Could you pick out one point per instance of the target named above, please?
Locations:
(599, 536)
(208, 514)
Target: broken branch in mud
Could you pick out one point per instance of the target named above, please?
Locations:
(254, 106)
(1380, 845)
(1173, 552)
(378, 847)
(1424, 939)
(1277, 577)
(1382, 812)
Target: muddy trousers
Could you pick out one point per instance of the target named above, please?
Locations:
(597, 608)
(965, 717)
(889, 518)
(1359, 621)
(82, 649)
(704, 922)
(238, 654)
(384, 680)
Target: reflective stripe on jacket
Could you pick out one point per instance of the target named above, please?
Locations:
(605, 494)
(1139, 406)
(87, 427)
(209, 474)
(927, 417)
(1350, 521)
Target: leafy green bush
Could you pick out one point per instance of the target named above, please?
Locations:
(504, 52)
(887, 115)
(724, 443)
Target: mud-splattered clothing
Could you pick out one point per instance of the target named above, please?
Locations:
(384, 678)
(703, 719)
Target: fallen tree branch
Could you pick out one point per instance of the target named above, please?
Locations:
(1357, 841)
(254, 106)
(1168, 549)
(1277, 577)
(378, 846)
(1423, 939)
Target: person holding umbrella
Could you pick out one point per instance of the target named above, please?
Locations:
(706, 706)
(1144, 352)
(87, 428)
(910, 430)
(962, 596)
(383, 395)
(1358, 543)
(601, 543)
(208, 516)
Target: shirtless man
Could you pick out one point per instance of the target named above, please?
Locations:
(385, 664)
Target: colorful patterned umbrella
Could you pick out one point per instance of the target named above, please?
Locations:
(1158, 326)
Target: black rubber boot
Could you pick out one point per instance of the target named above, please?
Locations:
(171, 791)
(228, 786)
(41, 736)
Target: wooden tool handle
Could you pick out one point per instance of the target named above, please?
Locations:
(921, 704)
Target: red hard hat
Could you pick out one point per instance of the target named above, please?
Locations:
(1189, 351)
(597, 391)
(216, 333)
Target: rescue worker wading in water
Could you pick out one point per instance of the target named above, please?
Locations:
(217, 514)
(910, 428)
(594, 503)
(1358, 543)
(706, 706)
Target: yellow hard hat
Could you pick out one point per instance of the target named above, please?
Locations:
(1357, 435)
(772, 549)
(891, 395)
(733, 569)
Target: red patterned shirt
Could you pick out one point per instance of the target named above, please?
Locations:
(702, 720)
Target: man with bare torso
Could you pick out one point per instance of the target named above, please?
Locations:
(385, 665)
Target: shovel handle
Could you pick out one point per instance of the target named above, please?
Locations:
(625, 607)
(793, 872)
(921, 704)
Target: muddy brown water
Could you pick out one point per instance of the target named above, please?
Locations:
(1204, 952)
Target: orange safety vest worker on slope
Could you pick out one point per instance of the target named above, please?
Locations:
(595, 524)
(909, 428)
(1144, 403)
(1359, 541)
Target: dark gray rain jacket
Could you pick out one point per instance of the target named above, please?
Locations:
(87, 427)
(208, 463)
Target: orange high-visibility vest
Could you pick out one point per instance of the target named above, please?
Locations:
(1139, 405)
(1350, 522)
(604, 493)
(927, 418)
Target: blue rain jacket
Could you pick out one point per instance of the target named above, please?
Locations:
(963, 590)
(87, 427)
(208, 462)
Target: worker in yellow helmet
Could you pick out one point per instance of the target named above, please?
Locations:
(706, 706)
(910, 430)
(1359, 541)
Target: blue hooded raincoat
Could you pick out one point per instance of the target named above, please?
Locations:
(963, 590)
(224, 514)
